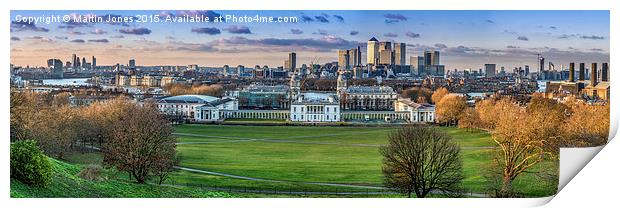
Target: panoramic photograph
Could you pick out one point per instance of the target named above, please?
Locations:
(303, 103)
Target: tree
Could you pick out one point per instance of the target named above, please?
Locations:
(469, 119)
(439, 94)
(588, 125)
(421, 160)
(419, 94)
(139, 142)
(520, 147)
(449, 109)
(29, 165)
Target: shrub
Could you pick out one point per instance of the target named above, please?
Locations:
(29, 165)
(91, 172)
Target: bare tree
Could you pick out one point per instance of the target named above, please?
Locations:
(421, 160)
(139, 141)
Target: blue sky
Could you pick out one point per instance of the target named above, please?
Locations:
(467, 39)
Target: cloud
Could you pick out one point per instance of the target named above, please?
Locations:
(15, 38)
(387, 21)
(75, 33)
(587, 37)
(390, 35)
(306, 18)
(511, 32)
(170, 37)
(398, 17)
(597, 49)
(99, 40)
(235, 29)
(339, 18)
(489, 21)
(61, 37)
(26, 26)
(326, 43)
(136, 31)
(118, 36)
(523, 38)
(440, 46)
(98, 32)
(321, 32)
(354, 32)
(322, 19)
(511, 46)
(296, 31)
(592, 37)
(206, 30)
(412, 35)
(78, 41)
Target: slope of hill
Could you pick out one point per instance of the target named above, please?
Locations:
(67, 184)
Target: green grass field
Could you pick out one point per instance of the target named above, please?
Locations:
(300, 155)
(66, 183)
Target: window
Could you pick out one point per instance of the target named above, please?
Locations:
(294, 117)
(328, 110)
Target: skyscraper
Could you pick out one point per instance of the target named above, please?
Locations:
(74, 60)
(489, 70)
(132, 64)
(94, 64)
(292, 61)
(372, 51)
(582, 71)
(77, 64)
(344, 59)
(56, 69)
(386, 57)
(400, 54)
(593, 74)
(84, 61)
(355, 57)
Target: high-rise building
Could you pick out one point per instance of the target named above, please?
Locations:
(372, 51)
(582, 71)
(417, 64)
(94, 64)
(292, 61)
(74, 60)
(604, 72)
(489, 70)
(78, 65)
(132, 64)
(593, 75)
(385, 45)
(344, 59)
(571, 72)
(527, 70)
(355, 57)
(400, 54)
(56, 69)
(386, 57)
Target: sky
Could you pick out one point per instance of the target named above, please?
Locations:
(465, 39)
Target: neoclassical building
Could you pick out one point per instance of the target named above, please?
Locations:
(197, 107)
(315, 107)
(365, 98)
(418, 112)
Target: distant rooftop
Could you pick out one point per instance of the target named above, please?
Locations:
(188, 99)
(316, 98)
(370, 89)
(373, 39)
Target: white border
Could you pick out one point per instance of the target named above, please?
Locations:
(593, 185)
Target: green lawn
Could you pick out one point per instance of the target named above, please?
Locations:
(66, 183)
(346, 155)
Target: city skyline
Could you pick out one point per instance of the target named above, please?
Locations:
(466, 39)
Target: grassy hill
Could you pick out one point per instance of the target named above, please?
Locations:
(66, 183)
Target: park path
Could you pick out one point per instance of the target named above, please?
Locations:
(311, 183)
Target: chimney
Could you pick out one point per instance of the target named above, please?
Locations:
(571, 72)
(582, 71)
(604, 71)
(593, 77)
